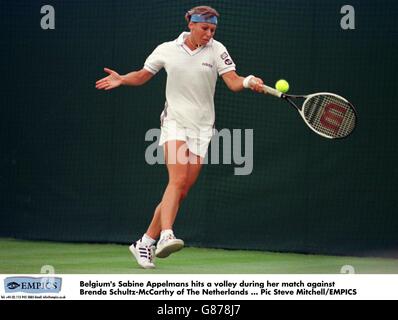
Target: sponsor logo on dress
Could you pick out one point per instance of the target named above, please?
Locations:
(228, 61)
(224, 55)
(207, 65)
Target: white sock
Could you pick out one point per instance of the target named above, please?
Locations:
(147, 240)
(166, 233)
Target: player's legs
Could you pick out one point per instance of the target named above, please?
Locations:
(182, 174)
(194, 167)
(184, 168)
(176, 156)
(143, 249)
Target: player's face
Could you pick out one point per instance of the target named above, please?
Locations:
(202, 32)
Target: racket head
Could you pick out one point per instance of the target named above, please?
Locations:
(329, 115)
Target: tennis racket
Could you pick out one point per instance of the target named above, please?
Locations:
(327, 114)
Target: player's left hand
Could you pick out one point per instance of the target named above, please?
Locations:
(256, 84)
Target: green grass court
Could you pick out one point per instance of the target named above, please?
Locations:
(27, 257)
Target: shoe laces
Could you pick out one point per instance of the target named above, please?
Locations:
(168, 237)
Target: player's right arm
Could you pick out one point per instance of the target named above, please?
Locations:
(114, 80)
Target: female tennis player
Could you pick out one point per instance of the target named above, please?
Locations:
(193, 63)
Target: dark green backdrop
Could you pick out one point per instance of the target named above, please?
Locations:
(72, 165)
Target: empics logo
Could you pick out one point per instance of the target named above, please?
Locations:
(32, 285)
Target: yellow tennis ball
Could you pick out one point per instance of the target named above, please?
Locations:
(282, 85)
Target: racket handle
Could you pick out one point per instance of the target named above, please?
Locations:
(272, 91)
(269, 90)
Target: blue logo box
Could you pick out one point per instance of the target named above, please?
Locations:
(32, 285)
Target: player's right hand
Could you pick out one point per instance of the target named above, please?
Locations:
(112, 81)
(256, 84)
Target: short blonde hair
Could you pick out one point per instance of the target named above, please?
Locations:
(205, 11)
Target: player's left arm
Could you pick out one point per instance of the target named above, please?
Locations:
(235, 82)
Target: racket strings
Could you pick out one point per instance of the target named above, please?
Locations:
(329, 115)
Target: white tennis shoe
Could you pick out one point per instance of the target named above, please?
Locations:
(143, 254)
(168, 245)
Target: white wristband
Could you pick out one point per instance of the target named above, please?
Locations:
(246, 81)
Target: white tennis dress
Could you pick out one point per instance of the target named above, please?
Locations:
(191, 80)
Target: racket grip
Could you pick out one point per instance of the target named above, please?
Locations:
(272, 91)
